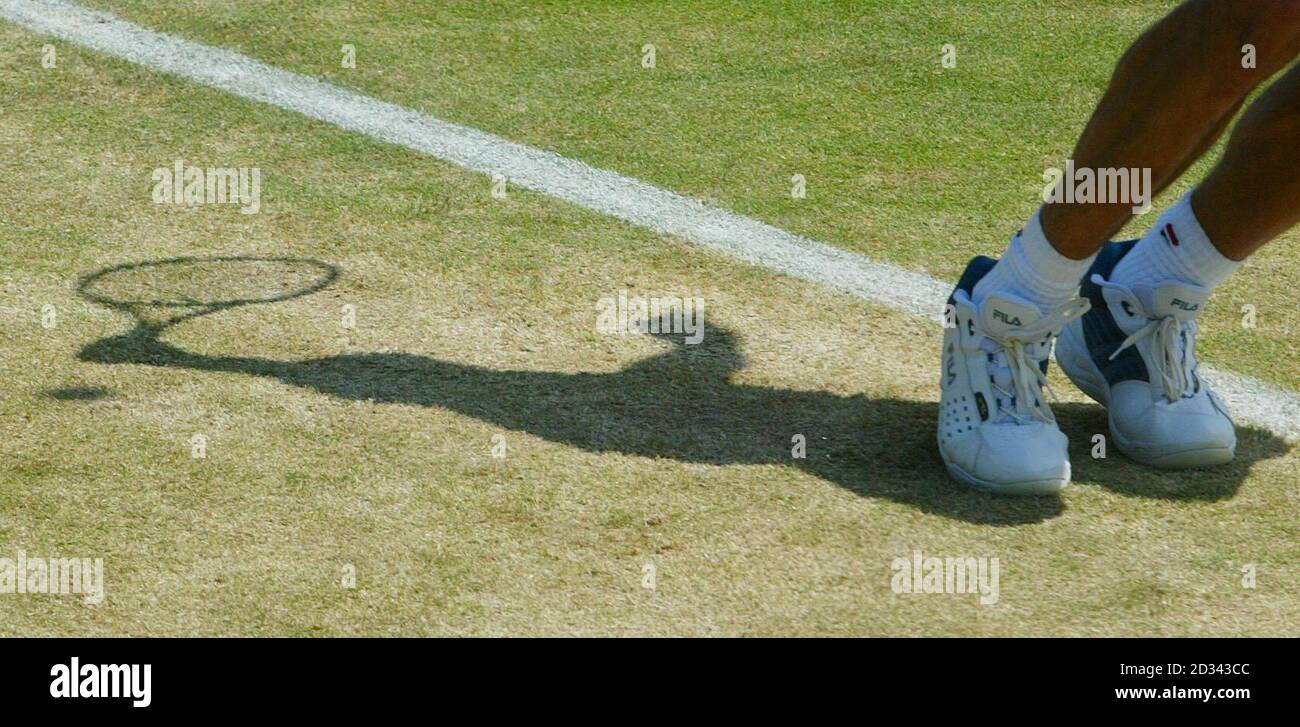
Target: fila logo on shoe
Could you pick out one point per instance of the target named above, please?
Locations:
(1181, 304)
(1009, 320)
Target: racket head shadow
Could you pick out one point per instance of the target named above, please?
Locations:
(162, 293)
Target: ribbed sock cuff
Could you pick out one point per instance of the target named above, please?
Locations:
(1032, 269)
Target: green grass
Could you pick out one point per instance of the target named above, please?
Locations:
(371, 447)
(905, 161)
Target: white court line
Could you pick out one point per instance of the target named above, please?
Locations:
(603, 191)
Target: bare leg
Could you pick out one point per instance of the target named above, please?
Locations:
(1173, 94)
(1253, 195)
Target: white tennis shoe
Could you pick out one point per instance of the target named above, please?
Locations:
(1135, 353)
(996, 430)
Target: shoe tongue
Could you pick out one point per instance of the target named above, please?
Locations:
(1180, 300)
(1002, 314)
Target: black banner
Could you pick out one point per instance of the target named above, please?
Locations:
(211, 677)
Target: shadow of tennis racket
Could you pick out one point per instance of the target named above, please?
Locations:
(159, 294)
(880, 447)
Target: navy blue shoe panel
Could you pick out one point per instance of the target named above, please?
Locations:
(1101, 332)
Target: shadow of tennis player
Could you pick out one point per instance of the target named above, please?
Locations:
(680, 404)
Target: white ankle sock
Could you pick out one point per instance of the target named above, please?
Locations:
(1032, 269)
(1177, 248)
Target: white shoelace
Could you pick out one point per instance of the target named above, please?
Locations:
(1171, 342)
(1019, 355)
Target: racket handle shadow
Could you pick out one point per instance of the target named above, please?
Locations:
(140, 345)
